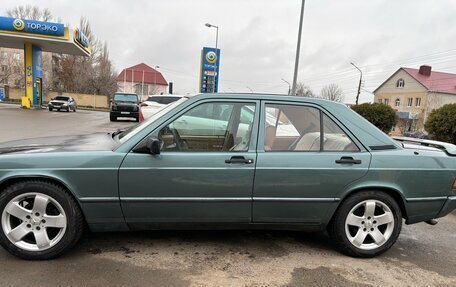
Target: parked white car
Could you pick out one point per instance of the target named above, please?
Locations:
(155, 103)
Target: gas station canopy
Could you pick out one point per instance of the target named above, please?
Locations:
(61, 46)
(35, 37)
(50, 37)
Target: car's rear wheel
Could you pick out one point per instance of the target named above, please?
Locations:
(50, 109)
(366, 224)
(39, 220)
(112, 118)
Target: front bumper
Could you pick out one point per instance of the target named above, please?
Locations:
(448, 206)
(124, 114)
(57, 107)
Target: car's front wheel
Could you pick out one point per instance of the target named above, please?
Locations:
(366, 224)
(39, 220)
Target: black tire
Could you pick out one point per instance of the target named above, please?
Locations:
(68, 109)
(74, 218)
(337, 226)
(137, 119)
(112, 118)
(50, 109)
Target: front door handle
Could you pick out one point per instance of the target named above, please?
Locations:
(239, 159)
(348, 159)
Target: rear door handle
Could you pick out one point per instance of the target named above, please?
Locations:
(239, 159)
(348, 159)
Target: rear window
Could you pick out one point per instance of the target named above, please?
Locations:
(163, 99)
(125, 98)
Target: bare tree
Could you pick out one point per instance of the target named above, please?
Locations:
(88, 75)
(11, 68)
(30, 12)
(332, 92)
(303, 90)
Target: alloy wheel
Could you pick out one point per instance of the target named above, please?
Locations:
(369, 224)
(34, 221)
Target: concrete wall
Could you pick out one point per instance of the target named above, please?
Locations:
(436, 100)
(95, 101)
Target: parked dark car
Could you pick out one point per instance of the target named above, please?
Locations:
(124, 105)
(226, 161)
(62, 103)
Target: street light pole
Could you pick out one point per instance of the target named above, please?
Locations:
(298, 48)
(289, 86)
(216, 56)
(359, 84)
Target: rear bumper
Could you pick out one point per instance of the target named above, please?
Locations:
(448, 206)
(124, 114)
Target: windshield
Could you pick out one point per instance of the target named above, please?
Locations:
(61, 98)
(125, 98)
(124, 136)
(163, 99)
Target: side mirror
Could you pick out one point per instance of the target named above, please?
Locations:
(153, 145)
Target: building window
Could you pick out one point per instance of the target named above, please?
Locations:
(418, 102)
(386, 101)
(4, 68)
(400, 83)
(409, 102)
(397, 103)
(17, 56)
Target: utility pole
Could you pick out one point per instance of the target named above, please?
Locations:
(359, 84)
(298, 48)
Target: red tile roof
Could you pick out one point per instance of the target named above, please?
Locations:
(136, 73)
(437, 81)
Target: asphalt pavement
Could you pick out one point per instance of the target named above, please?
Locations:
(424, 255)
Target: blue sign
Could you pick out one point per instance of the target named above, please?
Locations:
(210, 64)
(2, 94)
(37, 74)
(32, 26)
(81, 39)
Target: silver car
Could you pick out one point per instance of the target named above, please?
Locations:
(62, 103)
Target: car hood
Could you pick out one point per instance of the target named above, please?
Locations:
(92, 142)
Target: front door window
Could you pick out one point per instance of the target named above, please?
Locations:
(210, 127)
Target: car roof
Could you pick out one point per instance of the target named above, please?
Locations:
(123, 93)
(167, 95)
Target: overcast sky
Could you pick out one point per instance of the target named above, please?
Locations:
(258, 38)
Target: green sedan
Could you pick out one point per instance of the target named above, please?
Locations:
(226, 161)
